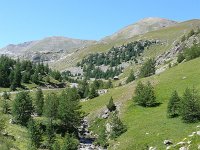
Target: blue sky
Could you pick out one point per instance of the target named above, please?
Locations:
(25, 20)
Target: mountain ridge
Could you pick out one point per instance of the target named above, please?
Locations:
(140, 27)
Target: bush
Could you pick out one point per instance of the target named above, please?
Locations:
(145, 95)
(190, 106)
(180, 58)
(192, 53)
(173, 108)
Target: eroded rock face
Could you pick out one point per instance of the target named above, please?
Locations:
(177, 47)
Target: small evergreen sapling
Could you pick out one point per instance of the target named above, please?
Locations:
(111, 106)
(173, 108)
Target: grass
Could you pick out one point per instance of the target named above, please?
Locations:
(153, 120)
(151, 126)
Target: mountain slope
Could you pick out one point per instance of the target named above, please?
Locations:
(141, 27)
(150, 126)
(53, 45)
(168, 35)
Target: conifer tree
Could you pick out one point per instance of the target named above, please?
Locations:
(190, 105)
(50, 132)
(118, 127)
(148, 68)
(34, 133)
(131, 77)
(22, 108)
(93, 93)
(111, 106)
(144, 95)
(69, 109)
(51, 106)
(173, 108)
(39, 101)
(70, 143)
(5, 105)
(17, 77)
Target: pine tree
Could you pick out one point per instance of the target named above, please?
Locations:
(148, 68)
(17, 76)
(111, 106)
(93, 93)
(144, 95)
(50, 132)
(22, 108)
(69, 109)
(190, 105)
(39, 101)
(35, 77)
(70, 143)
(25, 77)
(131, 77)
(56, 146)
(173, 108)
(109, 84)
(118, 127)
(102, 138)
(51, 106)
(34, 133)
(5, 105)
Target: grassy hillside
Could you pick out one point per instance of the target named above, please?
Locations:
(150, 126)
(169, 35)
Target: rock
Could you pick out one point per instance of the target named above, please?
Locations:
(199, 146)
(108, 127)
(12, 121)
(183, 148)
(198, 132)
(191, 135)
(168, 147)
(184, 78)
(152, 148)
(198, 126)
(167, 142)
(105, 114)
(181, 143)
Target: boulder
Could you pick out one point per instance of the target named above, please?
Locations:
(183, 148)
(152, 148)
(198, 132)
(167, 142)
(108, 127)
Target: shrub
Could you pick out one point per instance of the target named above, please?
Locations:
(192, 53)
(180, 58)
